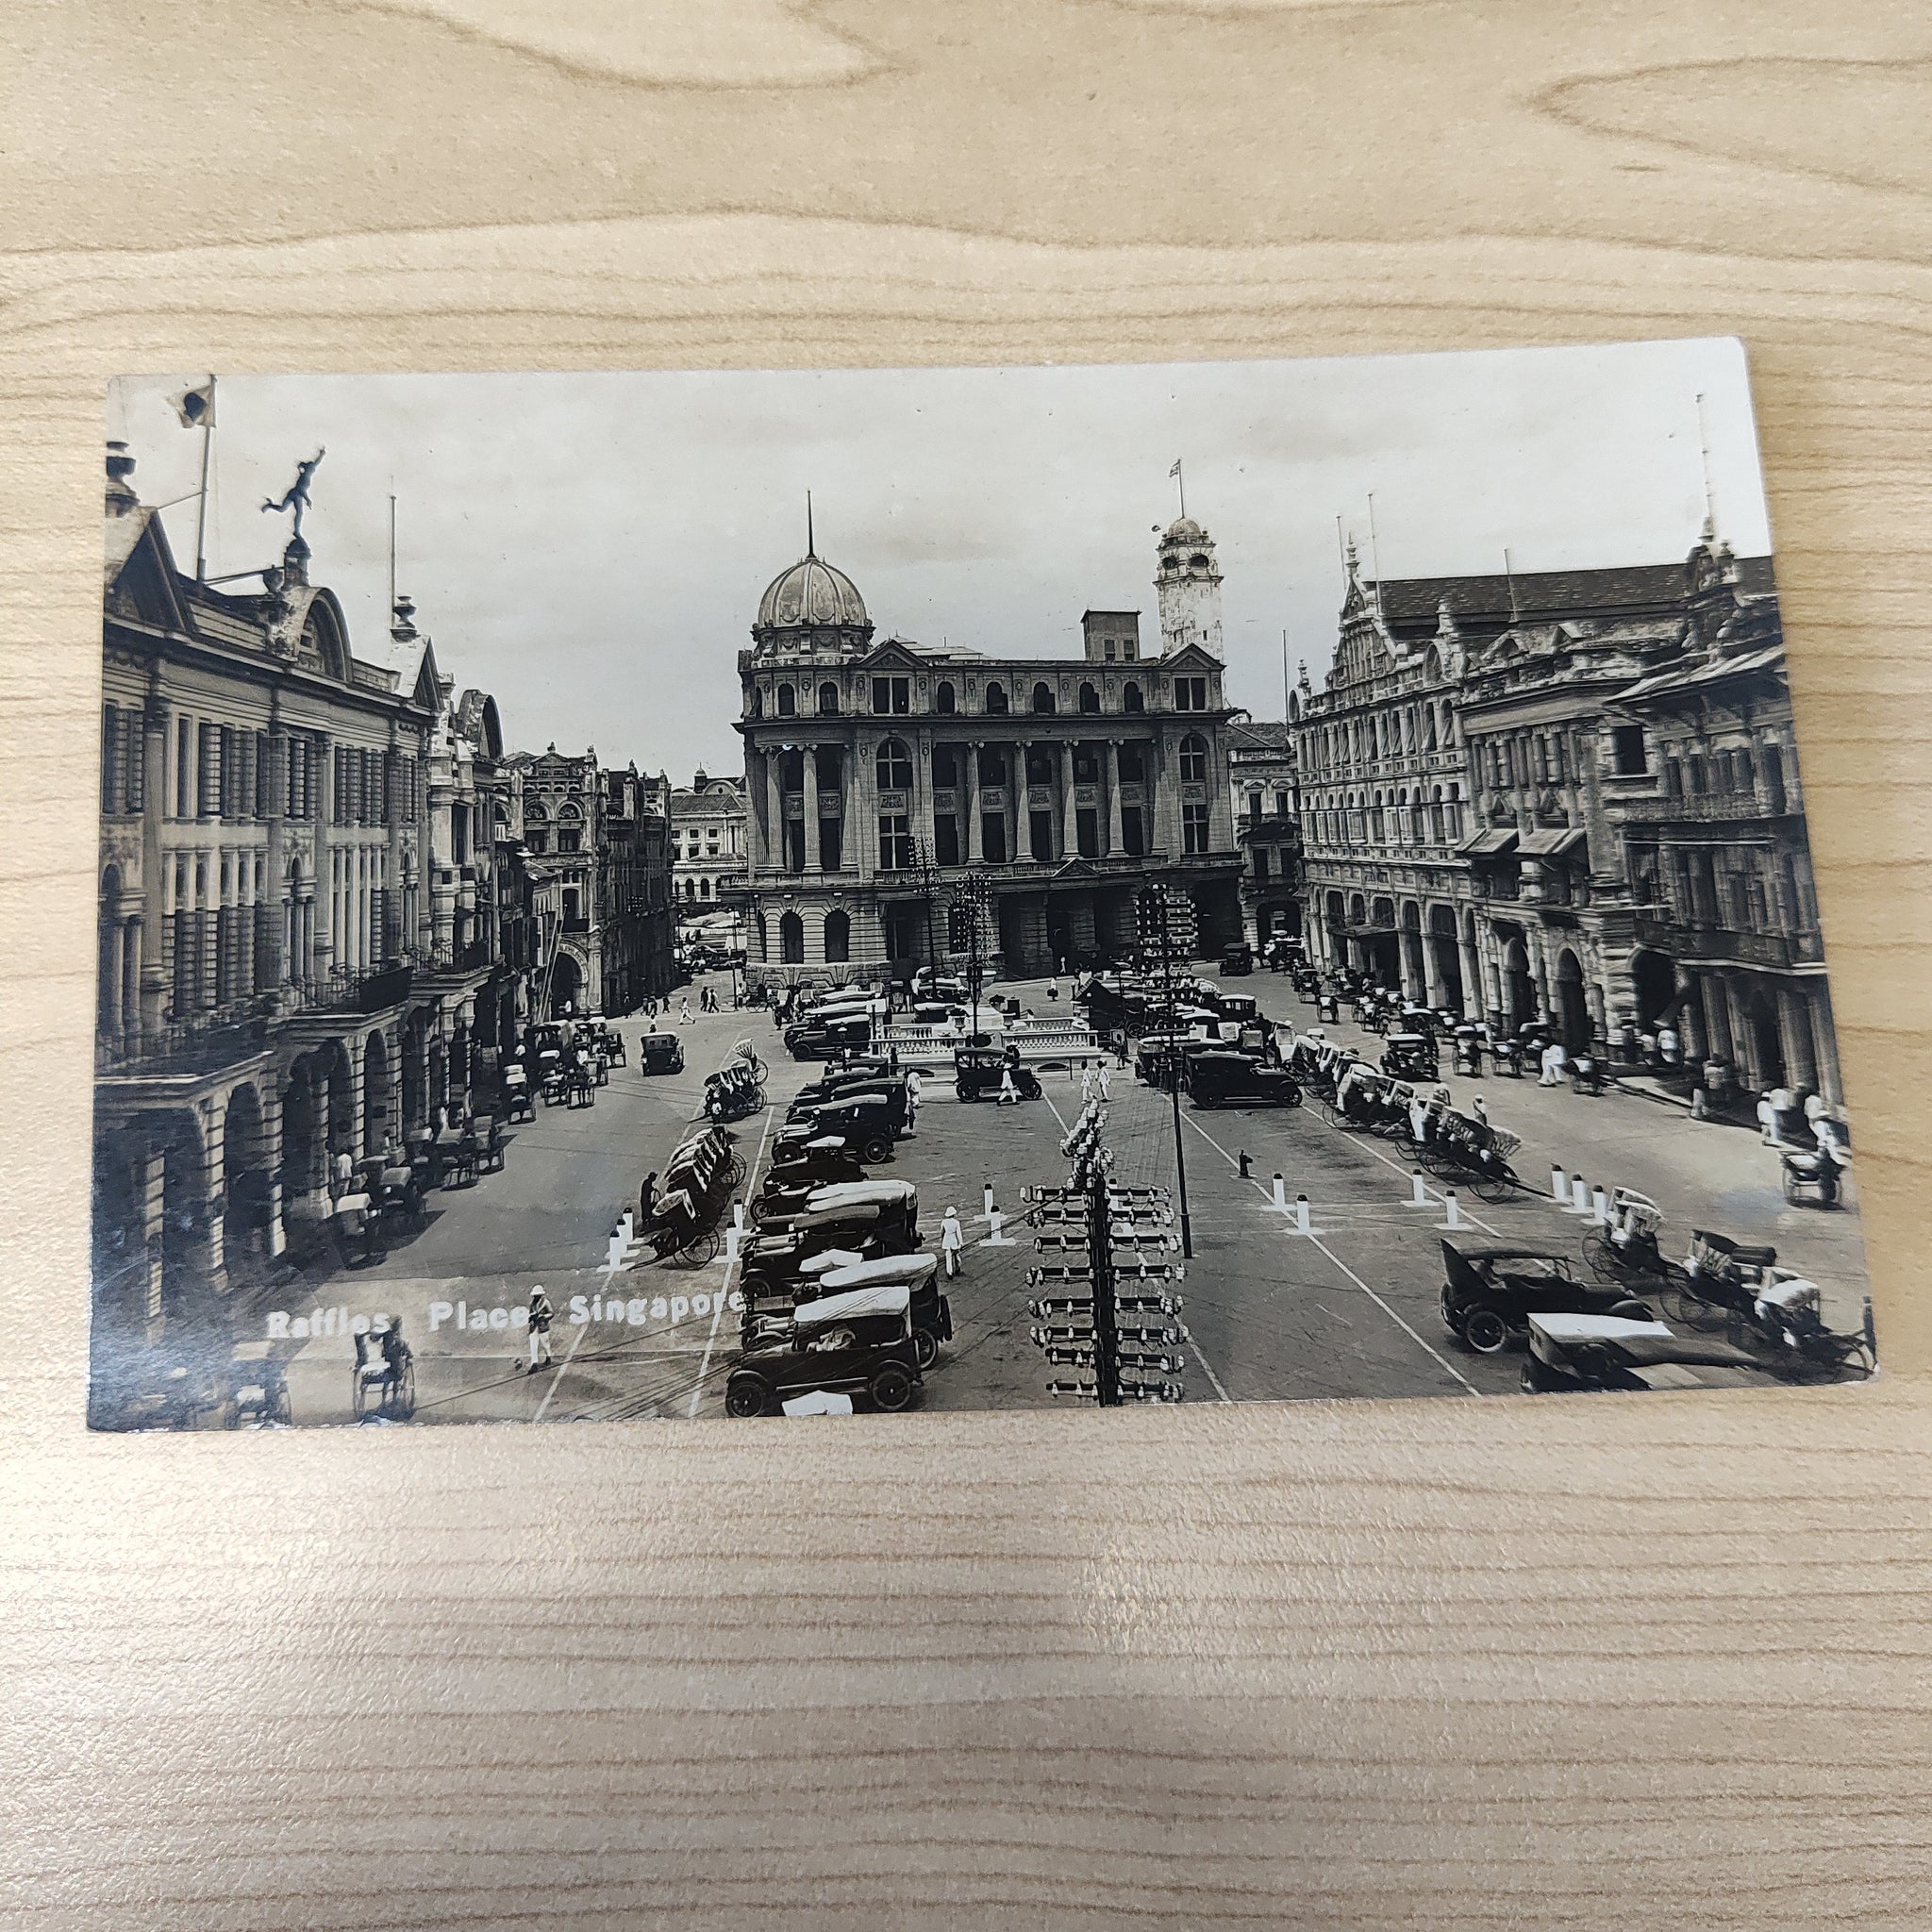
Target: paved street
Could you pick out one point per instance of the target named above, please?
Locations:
(1348, 1309)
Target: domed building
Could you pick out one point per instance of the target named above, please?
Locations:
(811, 609)
(887, 779)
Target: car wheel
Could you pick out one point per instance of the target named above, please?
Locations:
(1485, 1331)
(959, 1087)
(744, 1395)
(875, 1150)
(891, 1388)
(926, 1348)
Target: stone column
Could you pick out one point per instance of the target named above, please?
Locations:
(813, 854)
(1472, 971)
(922, 828)
(1111, 774)
(1433, 989)
(970, 842)
(1824, 1043)
(151, 990)
(1070, 820)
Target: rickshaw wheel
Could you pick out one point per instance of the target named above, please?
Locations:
(358, 1397)
(1491, 1187)
(891, 1388)
(1601, 1253)
(1632, 1309)
(926, 1348)
(279, 1408)
(701, 1251)
(744, 1395)
(1485, 1331)
(402, 1402)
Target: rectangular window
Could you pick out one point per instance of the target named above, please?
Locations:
(1086, 831)
(1108, 649)
(1039, 834)
(794, 844)
(1626, 751)
(892, 695)
(992, 837)
(110, 760)
(1133, 764)
(1193, 828)
(946, 767)
(1133, 842)
(945, 839)
(895, 843)
(207, 772)
(831, 844)
(1260, 862)
(1190, 694)
(134, 760)
(184, 769)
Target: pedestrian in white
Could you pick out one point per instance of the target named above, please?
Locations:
(1668, 1049)
(684, 1010)
(1088, 1086)
(1100, 1074)
(1008, 1093)
(1552, 1075)
(952, 1240)
(542, 1315)
(1767, 1120)
(913, 1086)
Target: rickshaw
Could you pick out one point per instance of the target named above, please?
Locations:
(980, 1070)
(1411, 1057)
(1467, 1052)
(1627, 1248)
(1471, 1153)
(398, 1197)
(683, 1230)
(1490, 1293)
(1236, 1079)
(1586, 1074)
(383, 1381)
(258, 1390)
(860, 1341)
(1369, 1102)
(1569, 1353)
(733, 1092)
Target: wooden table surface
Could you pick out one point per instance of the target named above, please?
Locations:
(1653, 1662)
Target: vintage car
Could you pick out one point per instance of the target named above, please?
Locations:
(1411, 1057)
(858, 1343)
(660, 1053)
(1572, 1352)
(825, 1039)
(879, 1109)
(979, 1072)
(1235, 960)
(1490, 1294)
(891, 1207)
(1219, 1078)
(799, 1156)
(769, 1298)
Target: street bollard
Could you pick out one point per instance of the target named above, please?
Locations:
(1418, 1193)
(1699, 1107)
(1280, 1195)
(1600, 1206)
(1559, 1186)
(732, 1237)
(986, 1212)
(1579, 1196)
(738, 1217)
(1452, 1219)
(995, 1221)
(1301, 1214)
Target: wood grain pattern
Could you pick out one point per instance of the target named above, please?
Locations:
(1577, 1665)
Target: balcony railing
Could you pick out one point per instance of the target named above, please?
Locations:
(452, 958)
(1708, 807)
(1704, 939)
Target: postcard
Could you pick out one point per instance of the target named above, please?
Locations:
(794, 894)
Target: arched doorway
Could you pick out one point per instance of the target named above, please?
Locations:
(301, 1132)
(1767, 1069)
(245, 1186)
(566, 985)
(1572, 1009)
(376, 1088)
(1448, 960)
(1519, 989)
(791, 939)
(341, 1106)
(1655, 980)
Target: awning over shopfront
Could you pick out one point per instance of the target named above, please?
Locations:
(1492, 843)
(1552, 844)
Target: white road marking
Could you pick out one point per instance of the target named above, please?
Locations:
(751, 1180)
(1315, 1241)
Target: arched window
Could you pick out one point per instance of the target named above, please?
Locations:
(828, 699)
(894, 767)
(1131, 699)
(1197, 561)
(838, 938)
(945, 700)
(996, 700)
(792, 940)
(1042, 698)
(1193, 759)
(570, 829)
(758, 702)
(788, 702)
(1090, 699)
(704, 889)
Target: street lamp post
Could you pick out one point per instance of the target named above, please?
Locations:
(1153, 903)
(971, 895)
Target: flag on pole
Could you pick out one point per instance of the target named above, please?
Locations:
(196, 406)
(1177, 469)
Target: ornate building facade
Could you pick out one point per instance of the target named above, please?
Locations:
(886, 776)
(708, 860)
(1267, 814)
(299, 949)
(1573, 796)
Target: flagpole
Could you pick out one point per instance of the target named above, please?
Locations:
(207, 431)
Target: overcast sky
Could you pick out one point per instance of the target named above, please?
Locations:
(592, 548)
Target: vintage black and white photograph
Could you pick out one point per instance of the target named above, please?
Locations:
(794, 893)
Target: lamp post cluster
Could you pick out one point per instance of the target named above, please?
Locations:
(1160, 937)
(1107, 1309)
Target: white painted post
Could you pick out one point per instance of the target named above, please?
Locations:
(1579, 1196)
(1559, 1186)
(1600, 1206)
(1452, 1219)
(987, 1211)
(733, 1235)
(1280, 1195)
(1419, 1193)
(1301, 1214)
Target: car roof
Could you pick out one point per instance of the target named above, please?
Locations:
(883, 1298)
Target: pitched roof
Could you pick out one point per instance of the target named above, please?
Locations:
(1497, 600)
